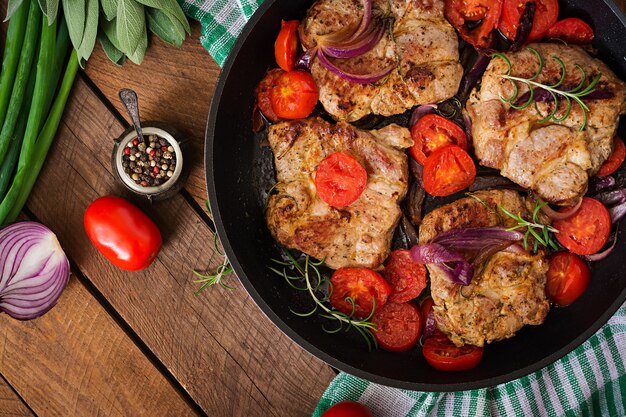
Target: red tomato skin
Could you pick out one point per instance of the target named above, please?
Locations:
(294, 95)
(407, 277)
(340, 179)
(458, 12)
(122, 233)
(263, 91)
(594, 220)
(348, 409)
(571, 30)
(361, 284)
(398, 326)
(568, 277)
(443, 355)
(546, 15)
(424, 133)
(459, 177)
(286, 44)
(615, 160)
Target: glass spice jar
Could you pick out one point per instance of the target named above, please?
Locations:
(156, 168)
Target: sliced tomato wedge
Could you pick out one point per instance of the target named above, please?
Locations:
(587, 231)
(615, 160)
(546, 14)
(571, 30)
(398, 326)
(474, 19)
(294, 95)
(448, 170)
(340, 179)
(407, 277)
(568, 278)
(286, 45)
(355, 290)
(444, 355)
(263, 91)
(433, 132)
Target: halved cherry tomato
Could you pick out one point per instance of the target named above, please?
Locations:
(348, 409)
(425, 307)
(340, 179)
(586, 231)
(568, 278)
(448, 170)
(433, 132)
(122, 233)
(360, 285)
(571, 30)
(263, 91)
(615, 160)
(294, 95)
(444, 355)
(286, 44)
(407, 277)
(474, 19)
(546, 14)
(398, 326)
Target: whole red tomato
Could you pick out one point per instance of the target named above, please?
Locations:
(348, 409)
(122, 233)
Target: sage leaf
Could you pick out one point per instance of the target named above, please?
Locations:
(171, 8)
(137, 56)
(50, 9)
(109, 29)
(12, 8)
(74, 11)
(109, 8)
(168, 29)
(90, 33)
(115, 55)
(131, 25)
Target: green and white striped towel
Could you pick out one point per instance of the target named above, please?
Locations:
(590, 381)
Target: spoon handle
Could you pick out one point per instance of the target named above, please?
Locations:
(129, 99)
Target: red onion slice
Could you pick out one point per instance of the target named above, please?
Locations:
(561, 215)
(604, 254)
(355, 78)
(617, 212)
(421, 111)
(432, 253)
(365, 20)
(612, 197)
(34, 270)
(357, 47)
(429, 325)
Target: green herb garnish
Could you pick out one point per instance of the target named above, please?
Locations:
(574, 95)
(308, 273)
(541, 232)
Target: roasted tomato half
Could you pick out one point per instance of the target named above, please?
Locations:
(587, 231)
(286, 45)
(443, 355)
(447, 171)
(340, 179)
(474, 19)
(294, 95)
(356, 291)
(398, 326)
(568, 277)
(615, 160)
(546, 13)
(433, 132)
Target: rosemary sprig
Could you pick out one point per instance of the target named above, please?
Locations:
(223, 270)
(541, 232)
(308, 273)
(571, 96)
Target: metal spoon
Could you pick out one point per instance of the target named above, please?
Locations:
(129, 99)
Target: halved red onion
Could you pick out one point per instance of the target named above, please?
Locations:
(355, 78)
(365, 20)
(612, 197)
(421, 111)
(602, 255)
(460, 273)
(617, 212)
(357, 47)
(34, 271)
(305, 60)
(561, 215)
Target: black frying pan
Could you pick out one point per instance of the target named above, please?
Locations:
(239, 172)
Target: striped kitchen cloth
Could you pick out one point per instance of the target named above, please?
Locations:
(590, 381)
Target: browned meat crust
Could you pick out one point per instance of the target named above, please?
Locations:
(554, 160)
(421, 43)
(506, 293)
(358, 235)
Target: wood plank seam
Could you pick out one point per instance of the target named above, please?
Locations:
(18, 395)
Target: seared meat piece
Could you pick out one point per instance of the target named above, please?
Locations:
(507, 291)
(358, 235)
(421, 44)
(554, 160)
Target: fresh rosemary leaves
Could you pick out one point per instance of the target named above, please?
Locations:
(308, 274)
(539, 231)
(557, 91)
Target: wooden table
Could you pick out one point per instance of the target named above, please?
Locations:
(142, 344)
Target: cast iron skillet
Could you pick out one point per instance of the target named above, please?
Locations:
(239, 172)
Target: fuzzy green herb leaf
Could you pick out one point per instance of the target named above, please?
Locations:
(75, 16)
(115, 55)
(137, 56)
(109, 8)
(90, 33)
(12, 7)
(167, 29)
(171, 8)
(130, 25)
(540, 232)
(50, 9)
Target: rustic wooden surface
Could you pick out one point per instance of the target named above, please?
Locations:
(142, 344)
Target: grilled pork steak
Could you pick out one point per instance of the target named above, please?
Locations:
(553, 159)
(358, 235)
(421, 44)
(506, 292)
